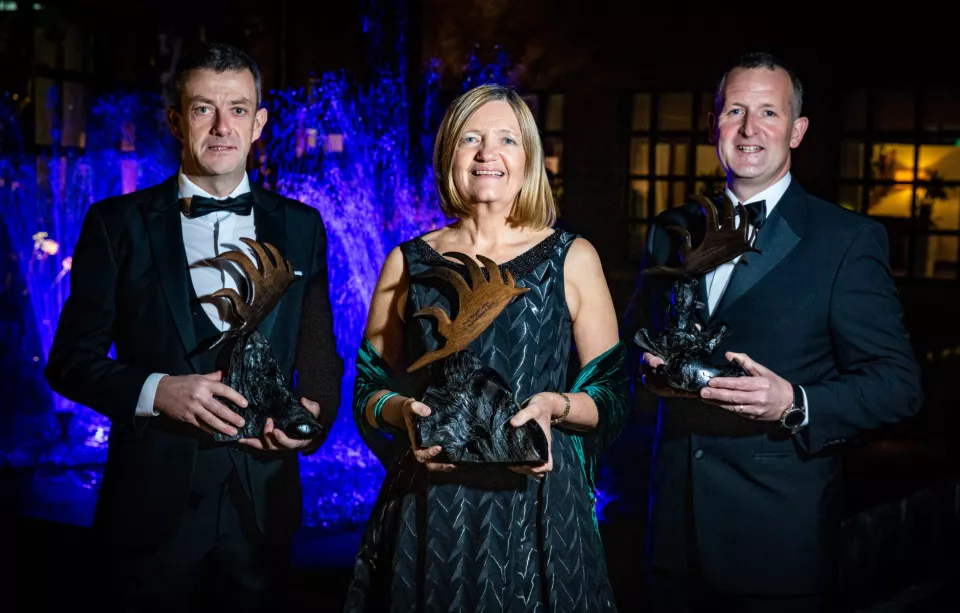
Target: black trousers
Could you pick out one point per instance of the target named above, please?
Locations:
(217, 560)
(690, 593)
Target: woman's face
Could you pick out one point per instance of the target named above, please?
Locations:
(489, 162)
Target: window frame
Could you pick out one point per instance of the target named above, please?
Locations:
(868, 136)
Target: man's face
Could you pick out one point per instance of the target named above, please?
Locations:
(755, 129)
(217, 122)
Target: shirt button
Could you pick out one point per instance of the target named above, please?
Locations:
(698, 453)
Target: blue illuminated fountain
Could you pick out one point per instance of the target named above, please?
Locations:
(345, 150)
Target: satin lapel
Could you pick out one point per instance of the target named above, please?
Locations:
(162, 218)
(269, 219)
(780, 234)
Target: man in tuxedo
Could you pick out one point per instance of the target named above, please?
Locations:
(746, 509)
(180, 515)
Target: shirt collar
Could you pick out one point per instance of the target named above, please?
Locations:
(771, 195)
(189, 189)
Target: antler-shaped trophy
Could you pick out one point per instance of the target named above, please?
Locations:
(685, 348)
(253, 370)
(472, 404)
(479, 304)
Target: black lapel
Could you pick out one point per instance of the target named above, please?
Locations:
(779, 235)
(162, 218)
(269, 219)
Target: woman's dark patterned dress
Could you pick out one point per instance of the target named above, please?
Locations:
(462, 541)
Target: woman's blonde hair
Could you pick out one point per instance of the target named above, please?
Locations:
(535, 206)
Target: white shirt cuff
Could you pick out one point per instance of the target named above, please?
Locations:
(147, 395)
(806, 413)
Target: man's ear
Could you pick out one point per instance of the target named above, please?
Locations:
(711, 127)
(174, 119)
(259, 120)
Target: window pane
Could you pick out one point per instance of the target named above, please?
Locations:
(941, 111)
(45, 52)
(533, 101)
(890, 200)
(938, 207)
(672, 158)
(708, 188)
(554, 121)
(708, 164)
(706, 107)
(45, 105)
(893, 111)
(851, 197)
(851, 160)
(74, 115)
(639, 197)
(553, 154)
(640, 156)
(556, 186)
(637, 241)
(641, 112)
(939, 162)
(661, 197)
(936, 256)
(73, 56)
(676, 112)
(855, 115)
(892, 162)
(679, 193)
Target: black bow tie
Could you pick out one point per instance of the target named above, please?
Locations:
(756, 213)
(201, 205)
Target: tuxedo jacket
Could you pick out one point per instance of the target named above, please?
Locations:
(129, 289)
(756, 508)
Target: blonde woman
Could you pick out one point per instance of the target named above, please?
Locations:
(443, 537)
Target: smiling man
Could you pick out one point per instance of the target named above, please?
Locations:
(746, 505)
(183, 517)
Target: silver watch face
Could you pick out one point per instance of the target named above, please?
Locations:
(793, 418)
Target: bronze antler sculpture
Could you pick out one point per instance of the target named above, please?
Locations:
(684, 346)
(721, 242)
(266, 283)
(252, 369)
(479, 304)
(472, 404)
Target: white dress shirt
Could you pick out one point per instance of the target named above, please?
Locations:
(204, 238)
(718, 278)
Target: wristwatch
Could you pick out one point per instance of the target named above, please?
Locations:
(793, 417)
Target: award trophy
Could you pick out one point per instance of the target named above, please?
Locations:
(471, 405)
(252, 369)
(684, 347)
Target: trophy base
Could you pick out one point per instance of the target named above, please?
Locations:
(470, 417)
(684, 345)
(254, 373)
(692, 374)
